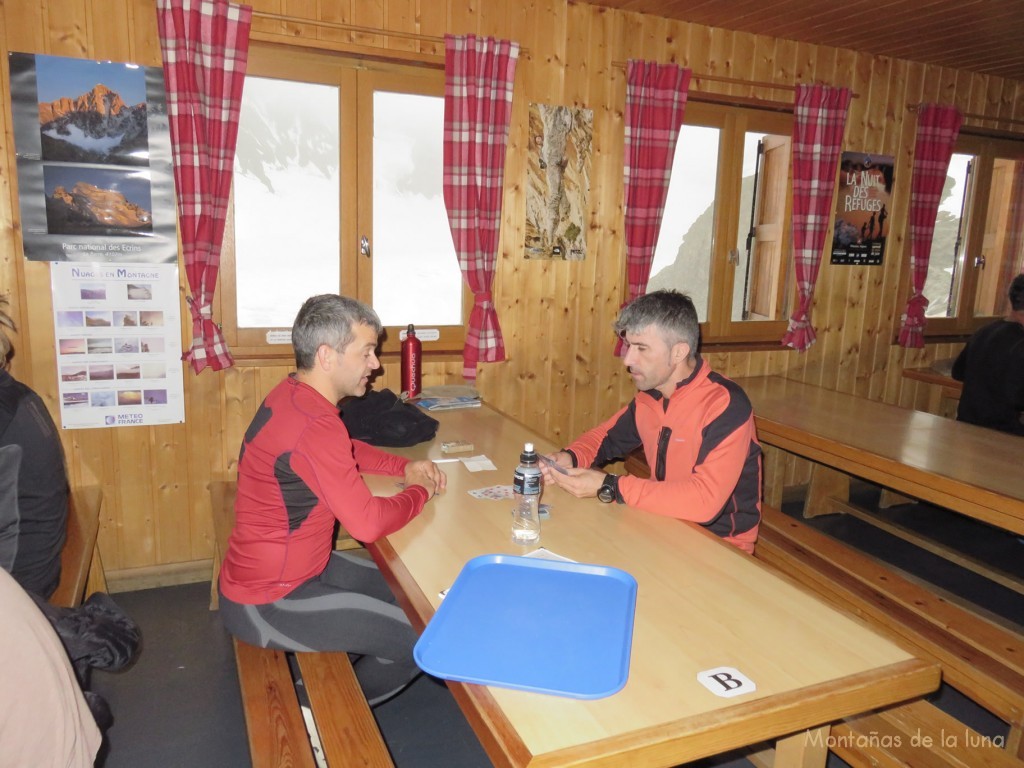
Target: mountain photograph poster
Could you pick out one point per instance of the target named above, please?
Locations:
(95, 180)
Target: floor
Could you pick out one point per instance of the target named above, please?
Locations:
(179, 706)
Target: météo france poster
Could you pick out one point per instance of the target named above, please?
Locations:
(863, 207)
(118, 338)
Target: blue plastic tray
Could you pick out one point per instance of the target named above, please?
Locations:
(535, 625)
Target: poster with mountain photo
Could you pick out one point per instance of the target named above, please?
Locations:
(95, 180)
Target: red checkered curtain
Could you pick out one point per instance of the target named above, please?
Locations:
(937, 129)
(819, 121)
(479, 74)
(655, 104)
(205, 46)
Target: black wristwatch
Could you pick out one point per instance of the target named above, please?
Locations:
(609, 490)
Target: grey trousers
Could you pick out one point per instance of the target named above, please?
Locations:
(348, 607)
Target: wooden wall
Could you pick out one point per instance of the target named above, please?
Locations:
(561, 375)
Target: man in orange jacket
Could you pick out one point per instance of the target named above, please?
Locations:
(696, 428)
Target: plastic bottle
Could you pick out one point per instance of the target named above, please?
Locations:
(412, 356)
(526, 486)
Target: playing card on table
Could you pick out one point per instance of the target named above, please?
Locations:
(494, 492)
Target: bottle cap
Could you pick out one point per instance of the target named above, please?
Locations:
(410, 331)
(528, 453)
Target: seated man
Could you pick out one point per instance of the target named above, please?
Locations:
(696, 428)
(991, 367)
(281, 583)
(44, 720)
(42, 483)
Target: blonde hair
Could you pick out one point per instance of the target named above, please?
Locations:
(5, 323)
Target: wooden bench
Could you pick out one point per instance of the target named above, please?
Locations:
(347, 731)
(80, 566)
(982, 660)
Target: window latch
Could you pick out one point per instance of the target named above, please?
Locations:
(364, 246)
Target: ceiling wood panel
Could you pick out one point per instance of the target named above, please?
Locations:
(984, 36)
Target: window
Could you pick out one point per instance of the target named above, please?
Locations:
(976, 246)
(338, 187)
(724, 234)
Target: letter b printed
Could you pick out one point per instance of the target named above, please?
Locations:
(726, 682)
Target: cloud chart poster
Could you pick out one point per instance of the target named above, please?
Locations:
(94, 160)
(118, 342)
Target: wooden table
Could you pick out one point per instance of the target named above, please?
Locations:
(945, 390)
(701, 604)
(961, 467)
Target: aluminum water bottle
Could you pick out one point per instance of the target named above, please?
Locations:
(412, 357)
(526, 486)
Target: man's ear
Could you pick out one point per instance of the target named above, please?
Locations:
(324, 356)
(680, 352)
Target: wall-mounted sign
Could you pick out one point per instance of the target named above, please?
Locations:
(118, 342)
(94, 160)
(863, 208)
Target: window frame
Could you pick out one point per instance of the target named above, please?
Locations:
(733, 122)
(356, 79)
(985, 149)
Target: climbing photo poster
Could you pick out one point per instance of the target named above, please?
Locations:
(558, 182)
(863, 207)
(95, 179)
(117, 334)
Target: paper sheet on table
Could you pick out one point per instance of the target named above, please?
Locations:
(478, 463)
(542, 553)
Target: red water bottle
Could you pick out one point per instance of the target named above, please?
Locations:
(412, 357)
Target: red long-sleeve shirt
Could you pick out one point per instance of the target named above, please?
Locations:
(298, 472)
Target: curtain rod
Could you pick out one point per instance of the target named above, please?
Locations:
(737, 81)
(346, 27)
(975, 116)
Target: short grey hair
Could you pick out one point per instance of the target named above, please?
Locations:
(328, 319)
(671, 313)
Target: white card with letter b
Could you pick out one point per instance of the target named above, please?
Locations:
(726, 682)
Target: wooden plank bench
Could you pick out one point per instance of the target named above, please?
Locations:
(982, 660)
(347, 730)
(81, 570)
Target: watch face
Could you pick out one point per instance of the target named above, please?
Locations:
(606, 493)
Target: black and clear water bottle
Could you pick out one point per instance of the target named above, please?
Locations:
(526, 486)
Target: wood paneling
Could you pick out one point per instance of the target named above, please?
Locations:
(975, 36)
(561, 375)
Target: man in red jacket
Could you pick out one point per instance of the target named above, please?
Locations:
(282, 585)
(696, 428)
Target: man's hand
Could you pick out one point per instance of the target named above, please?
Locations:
(427, 474)
(561, 458)
(581, 483)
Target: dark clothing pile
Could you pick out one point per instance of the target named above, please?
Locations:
(96, 635)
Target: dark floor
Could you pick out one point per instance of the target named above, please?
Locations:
(179, 705)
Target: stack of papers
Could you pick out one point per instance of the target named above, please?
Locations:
(448, 403)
